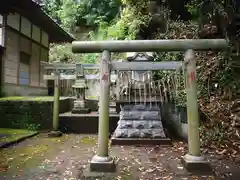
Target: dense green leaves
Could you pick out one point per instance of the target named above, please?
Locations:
(72, 13)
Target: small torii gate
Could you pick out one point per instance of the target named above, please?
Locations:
(56, 76)
(102, 161)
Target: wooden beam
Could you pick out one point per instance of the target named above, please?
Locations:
(146, 66)
(149, 45)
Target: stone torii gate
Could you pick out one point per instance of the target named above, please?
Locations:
(56, 76)
(102, 161)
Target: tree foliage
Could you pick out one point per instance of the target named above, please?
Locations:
(72, 13)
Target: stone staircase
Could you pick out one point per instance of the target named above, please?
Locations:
(139, 124)
(112, 107)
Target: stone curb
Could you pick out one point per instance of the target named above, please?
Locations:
(7, 144)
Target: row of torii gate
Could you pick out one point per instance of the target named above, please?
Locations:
(102, 161)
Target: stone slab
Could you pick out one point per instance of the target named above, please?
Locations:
(55, 134)
(17, 140)
(109, 166)
(139, 133)
(81, 111)
(139, 107)
(197, 167)
(90, 175)
(141, 141)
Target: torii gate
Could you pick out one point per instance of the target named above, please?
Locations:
(102, 161)
(56, 76)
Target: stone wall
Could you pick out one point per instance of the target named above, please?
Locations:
(29, 113)
(175, 119)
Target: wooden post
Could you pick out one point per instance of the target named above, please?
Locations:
(102, 161)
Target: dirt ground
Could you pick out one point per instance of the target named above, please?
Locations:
(67, 158)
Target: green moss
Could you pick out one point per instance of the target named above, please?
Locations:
(44, 98)
(25, 98)
(89, 140)
(10, 98)
(24, 157)
(14, 134)
(28, 98)
(92, 97)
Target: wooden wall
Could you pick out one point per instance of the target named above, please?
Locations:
(35, 66)
(11, 57)
(23, 36)
(1, 30)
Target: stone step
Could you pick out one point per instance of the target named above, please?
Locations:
(140, 107)
(140, 116)
(139, 133)
(140, 124)
(112, 105)
(140, 141)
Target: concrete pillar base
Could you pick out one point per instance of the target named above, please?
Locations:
(102, 164)
(196, 164)
(55, 134)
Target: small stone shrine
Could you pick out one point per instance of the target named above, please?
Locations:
(140, 119)
(80, 86)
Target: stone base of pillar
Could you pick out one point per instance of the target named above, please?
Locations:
(102, 164)
(196, 164)
(55, 134)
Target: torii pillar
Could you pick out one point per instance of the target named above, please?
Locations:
(102, 162)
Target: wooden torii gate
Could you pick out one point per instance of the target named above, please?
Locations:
(102, 161)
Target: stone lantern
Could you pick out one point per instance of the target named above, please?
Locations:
(80, 86)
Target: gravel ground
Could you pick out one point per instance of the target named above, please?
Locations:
(67, 158)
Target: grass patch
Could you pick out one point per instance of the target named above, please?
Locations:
(29, 98)
(92, 97)
(26, 98)
(88, 140)
(14, 135)
(12, 98)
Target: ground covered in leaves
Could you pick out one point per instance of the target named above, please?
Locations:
(67, 158)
